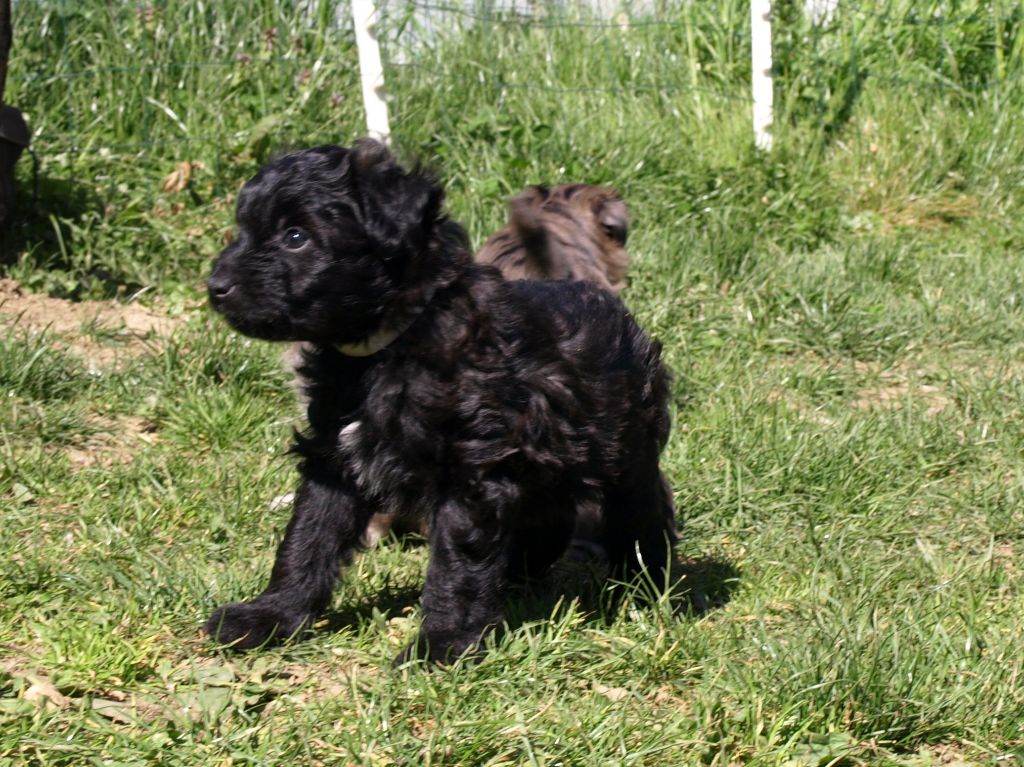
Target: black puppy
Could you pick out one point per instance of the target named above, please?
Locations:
(496, 409)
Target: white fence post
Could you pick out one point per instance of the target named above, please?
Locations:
(371, 71)
(761, 70)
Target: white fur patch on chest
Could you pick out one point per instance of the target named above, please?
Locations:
(350, 450)
(348, 437)
(383, 474)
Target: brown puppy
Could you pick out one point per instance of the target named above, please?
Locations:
(569, 231)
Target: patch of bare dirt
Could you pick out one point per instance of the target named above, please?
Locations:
(116, 441)
(897, 386)
(897, 393)
(885, 388)
(1006, 555)
(947, 755)
(101, 332)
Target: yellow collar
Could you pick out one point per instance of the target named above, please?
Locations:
(384, 336)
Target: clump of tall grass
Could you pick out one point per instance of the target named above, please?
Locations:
(121, 98)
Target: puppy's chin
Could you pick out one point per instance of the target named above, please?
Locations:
(267, 328)
(263, 331)
(283, 327)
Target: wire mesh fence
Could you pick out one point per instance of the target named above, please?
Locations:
(220, 79)
(145, 119)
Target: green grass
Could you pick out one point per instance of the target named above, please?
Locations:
(844, 318)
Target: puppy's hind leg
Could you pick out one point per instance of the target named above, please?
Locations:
(326, 527)
(465, 579)
(640, 529)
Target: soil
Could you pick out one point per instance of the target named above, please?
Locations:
(101, 332)
(104, 335)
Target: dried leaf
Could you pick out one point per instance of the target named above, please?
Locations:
(213, 700)
(179, 178)
(42, 690)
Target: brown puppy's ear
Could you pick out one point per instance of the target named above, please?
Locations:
(526, 220)
(535, 194)
(524, 210)
(613, 216)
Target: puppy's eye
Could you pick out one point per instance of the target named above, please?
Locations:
(295, 238)
(617, 232)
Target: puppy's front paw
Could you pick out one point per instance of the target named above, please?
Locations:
(245, 625)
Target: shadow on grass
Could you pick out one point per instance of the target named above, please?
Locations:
(40, 238)
(32, 227)
(843, 106)
(697, 586)
(389, 603)
(708, 582)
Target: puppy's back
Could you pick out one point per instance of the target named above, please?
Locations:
(589, 325)
(604, 372)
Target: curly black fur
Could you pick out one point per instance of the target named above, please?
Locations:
(496, 409)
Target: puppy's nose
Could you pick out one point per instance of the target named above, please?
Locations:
(219, 289)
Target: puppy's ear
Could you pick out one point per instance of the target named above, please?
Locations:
(399, 206)
(368, 153)
(535, 194)
(613, 216)
(526, 216)
(524, 212)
